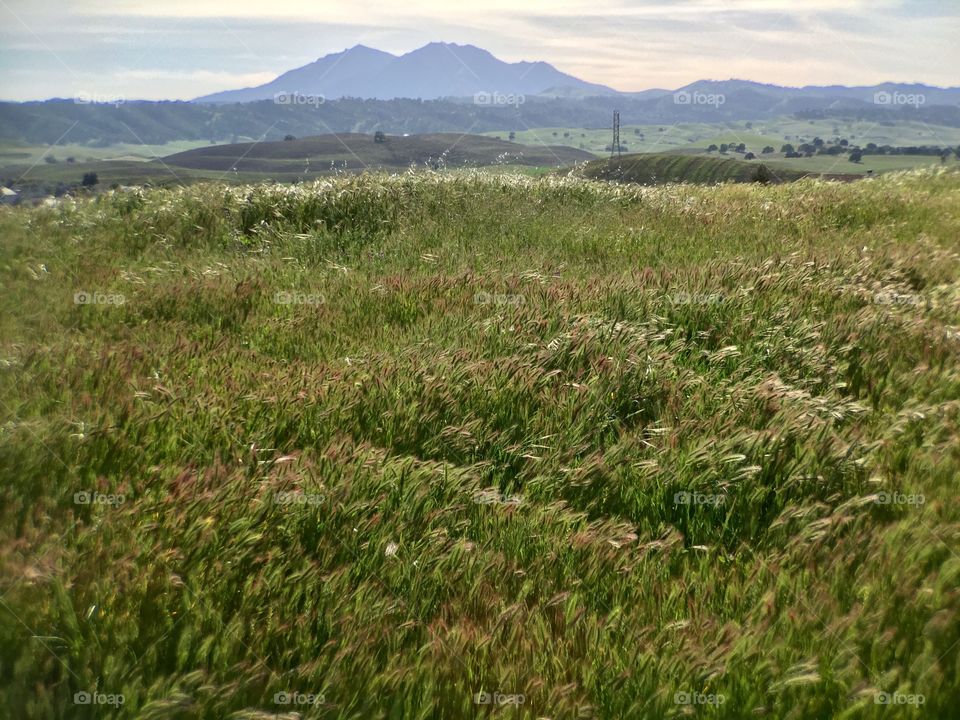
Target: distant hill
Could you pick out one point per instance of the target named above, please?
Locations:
(436, 70)
(657, 168)
(358, 152)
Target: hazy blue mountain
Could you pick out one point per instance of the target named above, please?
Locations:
(436, 70)
(338, 75)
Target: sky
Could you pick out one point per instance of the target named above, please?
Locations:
(181, 49)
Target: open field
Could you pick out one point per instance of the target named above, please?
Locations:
(383, 447)
(663, 137)
(658, 168)
(295, 160)
(28, 154)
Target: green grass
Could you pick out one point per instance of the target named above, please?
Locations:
(656, 168)
(696, 137)
(841, 163)
(485, 402)
(14, 153)
(291, 161)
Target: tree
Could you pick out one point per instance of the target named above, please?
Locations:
(90, 179)
(379, 136)
(762, 174)
(844, 142)
(749, 126)
(724, 147)
(786, 148)
(749, 156)
(712, 148)
(767, 150)
(742, 147)
(512, 136)
(288, 138)
(856, 156)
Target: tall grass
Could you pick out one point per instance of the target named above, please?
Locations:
(388, 443)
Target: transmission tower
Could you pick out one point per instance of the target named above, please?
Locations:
(615, 145)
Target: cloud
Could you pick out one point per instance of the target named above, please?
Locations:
(190, 47)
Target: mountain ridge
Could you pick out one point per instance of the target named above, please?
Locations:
(436, 70)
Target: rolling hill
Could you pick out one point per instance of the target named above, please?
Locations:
(658, 168)
(356, 151)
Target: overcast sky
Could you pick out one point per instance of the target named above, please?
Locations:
(180, 49)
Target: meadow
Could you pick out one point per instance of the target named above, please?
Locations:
(694, 138)
(472, 445)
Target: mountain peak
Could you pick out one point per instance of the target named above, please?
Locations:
(436, 70)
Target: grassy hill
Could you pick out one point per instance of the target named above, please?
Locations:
(281, 161)
(384, 447)
(358, 152)
(655, 168)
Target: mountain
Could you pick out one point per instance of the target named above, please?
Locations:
(437, 70)
(332, 76)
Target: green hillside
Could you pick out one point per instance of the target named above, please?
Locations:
(655, 168)
(354, 151)
(444, 446)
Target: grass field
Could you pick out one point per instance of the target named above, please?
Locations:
(455, 446)
(776, 132)
(657, 168)
(292, 161)
(27, 154)
(696, 137)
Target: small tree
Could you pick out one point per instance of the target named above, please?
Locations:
(288, 138)
(90, 179)
(379, 136)
(786, 148)
(512, 135)
(724, 147)
(856, 156)
(767, 150)
(712, 148)
(749, 156)
(762, 174)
